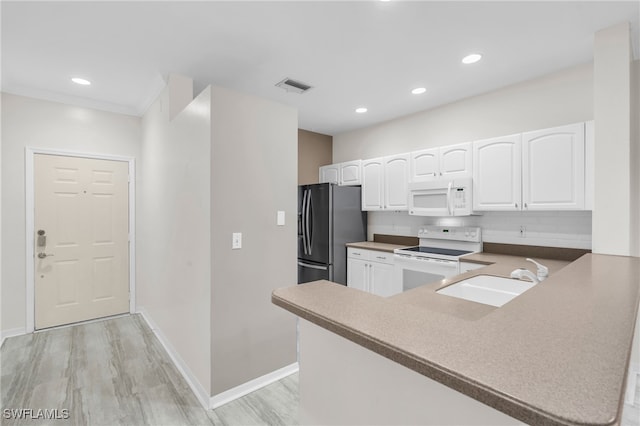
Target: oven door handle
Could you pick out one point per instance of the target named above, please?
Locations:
(403, 258)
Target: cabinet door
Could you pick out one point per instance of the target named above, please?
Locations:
(381, 279)
(553, 168)
(372, 184)
(497, 173)
(455, 161)
(350, 172)
(330, 173)
(396, 181)
(358, 274)
(425, 165)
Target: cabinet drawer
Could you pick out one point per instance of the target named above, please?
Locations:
(356, 253)
(371, 255)
(381, 256)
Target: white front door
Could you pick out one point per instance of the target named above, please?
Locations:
(81, 239)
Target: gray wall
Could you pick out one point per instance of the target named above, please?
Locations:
(28, 122)
(560, 98)
(253, 175)
(314, 150)
(556, 99)
(173, 227)
(613, 168)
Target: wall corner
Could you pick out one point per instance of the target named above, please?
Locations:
(180, 94)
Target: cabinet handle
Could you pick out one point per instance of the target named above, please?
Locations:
(525, 206)
(516, 205)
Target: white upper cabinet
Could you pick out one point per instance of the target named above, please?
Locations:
(539, 170)
(553, 168)
(350, 172)
(425, 165)
(373, 184)
(455, 161)
(589, 158)
(330, 174)
(447, 162)
(347, 173)
(497, 173)
(385, 182)
(396, 182)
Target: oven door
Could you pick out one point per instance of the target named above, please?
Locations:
(411, 272)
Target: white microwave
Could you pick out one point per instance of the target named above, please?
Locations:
(440, 198)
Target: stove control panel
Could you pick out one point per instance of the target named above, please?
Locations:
(451, 233)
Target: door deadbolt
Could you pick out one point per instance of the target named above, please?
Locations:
(42, 239)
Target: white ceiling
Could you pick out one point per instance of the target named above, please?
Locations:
(359, 53)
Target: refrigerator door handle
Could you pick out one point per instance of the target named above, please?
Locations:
(304, 222)
(307, 265)
(308, 222)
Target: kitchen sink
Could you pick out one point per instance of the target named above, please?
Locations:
(487, 289)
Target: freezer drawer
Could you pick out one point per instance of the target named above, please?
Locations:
(308, 272)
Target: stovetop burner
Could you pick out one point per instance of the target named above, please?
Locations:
(444, 243)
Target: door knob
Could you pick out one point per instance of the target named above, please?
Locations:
(43, 255)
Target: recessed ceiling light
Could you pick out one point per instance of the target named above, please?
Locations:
(81, 81)
(471, 59)
(418, 90)
(361, 110)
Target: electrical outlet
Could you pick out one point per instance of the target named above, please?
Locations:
(236, 242)
(523, 231)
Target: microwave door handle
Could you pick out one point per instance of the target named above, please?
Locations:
(449, 209)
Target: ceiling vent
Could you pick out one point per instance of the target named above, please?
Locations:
(293, 86)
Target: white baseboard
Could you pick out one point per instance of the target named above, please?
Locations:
(252, 385)
(12, 332)
(222, 398)
(190, 378)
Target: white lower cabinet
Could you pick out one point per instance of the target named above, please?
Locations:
(371, 271)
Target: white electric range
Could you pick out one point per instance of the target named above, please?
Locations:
(437, 257)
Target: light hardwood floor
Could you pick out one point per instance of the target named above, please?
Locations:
(116, 372)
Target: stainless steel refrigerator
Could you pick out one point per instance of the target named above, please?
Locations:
(329, 216)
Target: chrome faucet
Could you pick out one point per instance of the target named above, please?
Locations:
(521, 273)
(542, 272)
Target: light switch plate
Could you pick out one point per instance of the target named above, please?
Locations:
(236, 242)
(280, 219)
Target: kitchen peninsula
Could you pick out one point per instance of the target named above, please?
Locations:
(558, 354)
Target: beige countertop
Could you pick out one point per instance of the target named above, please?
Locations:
(557, 354)
(373, 245)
